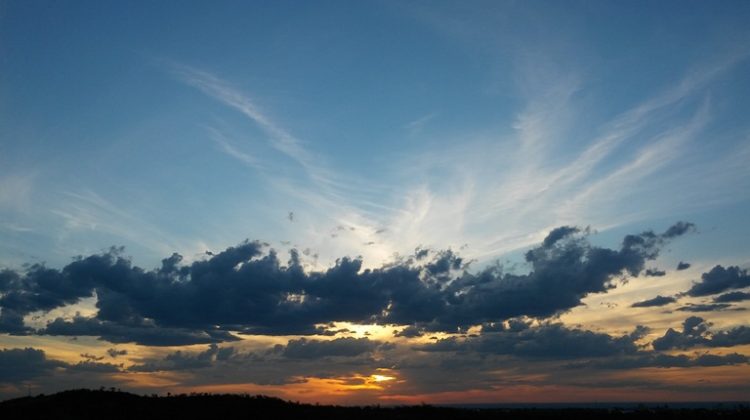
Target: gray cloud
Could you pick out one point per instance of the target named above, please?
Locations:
(704, 307)
(663, 361)
(682, 266)
(113, 353)
(180, 360)
(247, 289)
(316, 349)
(140, 333)
(547, 341)
(720, 279)
(696, 333)
(655, 272)
(732, 297)
(679, 229)
(93, 367)
(17, 365)
(411, 331)
(657, 301)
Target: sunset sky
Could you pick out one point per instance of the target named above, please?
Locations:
(387, 202)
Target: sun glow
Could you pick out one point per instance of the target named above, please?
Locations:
(381, 378)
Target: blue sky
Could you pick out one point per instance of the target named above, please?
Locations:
(454, 108)
(372, 129)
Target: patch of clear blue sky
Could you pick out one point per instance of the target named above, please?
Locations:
(90, 105)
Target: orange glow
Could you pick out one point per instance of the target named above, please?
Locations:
(354, 389)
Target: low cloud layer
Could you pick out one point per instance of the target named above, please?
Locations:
(247, 289)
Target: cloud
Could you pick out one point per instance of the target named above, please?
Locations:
(655, 272)
(91, 357)
(720, 279)
(18, 365)
(91, 367)
(657, 301)
(679, 229)
(316, 349)
(732, 297)
(139, 333)
(114, 353)
(564, 270)
(547, 341)
(181, 360)
(682, 266)
(411, 331)
(704, 307)
(557, 234)
(657, 360)
(247, 289)
(695, 333)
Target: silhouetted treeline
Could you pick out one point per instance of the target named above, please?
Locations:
(101, 404)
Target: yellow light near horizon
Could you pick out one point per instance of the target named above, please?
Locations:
(381, 378)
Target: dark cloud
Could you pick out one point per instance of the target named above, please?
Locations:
(678, 229)
(564, 270)
(411, 331)
(720, 279)
(18, 365)
(92, 357)
(657, 301)
(547, 341)
(11, 322)
(180, 360)
(113, 353)
(696, 333)
(247, 289)
(141, 333)
(655, 272)
(658, 360)
(704, 307)
(93, 367)
(732, 297)
(682, 266)
(557, 234)
(316, 349)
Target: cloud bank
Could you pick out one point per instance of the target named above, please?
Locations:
(247, 289)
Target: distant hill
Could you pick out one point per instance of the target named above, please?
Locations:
(90, 404)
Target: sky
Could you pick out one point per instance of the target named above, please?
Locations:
(376, 201)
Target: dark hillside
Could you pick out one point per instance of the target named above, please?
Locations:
(89, 404)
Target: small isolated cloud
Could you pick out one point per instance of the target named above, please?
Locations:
(682, 266)
(655, 272)
(657, 301)
(679, 229)
(114, 353)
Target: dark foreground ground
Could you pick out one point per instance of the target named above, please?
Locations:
(87, 404)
